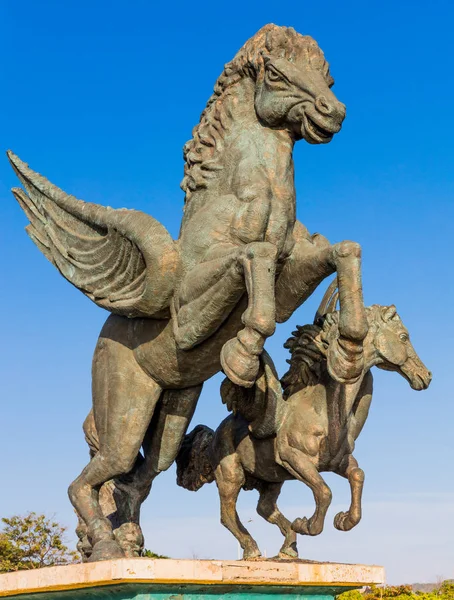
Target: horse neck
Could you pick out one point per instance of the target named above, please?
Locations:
(235, 118)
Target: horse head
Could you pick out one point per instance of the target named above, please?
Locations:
(394, 351)
(293, 85)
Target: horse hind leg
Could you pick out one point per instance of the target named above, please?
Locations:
(160, 447)
(124, 398)
(230, 478)
(267, 508)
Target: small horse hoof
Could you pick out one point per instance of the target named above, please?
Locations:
(106, 550)
(342, 521)
(302, 526)
(240, 367)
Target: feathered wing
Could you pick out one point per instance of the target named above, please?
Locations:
(123, 260)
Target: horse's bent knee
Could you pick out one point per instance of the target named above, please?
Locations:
(347, 248)
(260, 250)
(325, 494)
(357, 475)
(120, 464)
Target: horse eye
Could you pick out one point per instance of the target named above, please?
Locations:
(404, 337)
(273, 75)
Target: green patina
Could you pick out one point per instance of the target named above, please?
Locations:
(145, 591)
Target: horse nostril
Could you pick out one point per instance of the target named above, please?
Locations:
(322, 105)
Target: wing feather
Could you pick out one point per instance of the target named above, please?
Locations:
(123, 260)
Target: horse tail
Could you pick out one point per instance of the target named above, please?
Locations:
(194, 468)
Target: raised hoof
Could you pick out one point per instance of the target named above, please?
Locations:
(106, 550)
(240, 367)
(342, 521)
(304, 526)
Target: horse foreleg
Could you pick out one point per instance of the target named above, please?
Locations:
(268, 509)
(240, 355)
(211, 290)
(301, 467)
(344, 521)
(311, 261)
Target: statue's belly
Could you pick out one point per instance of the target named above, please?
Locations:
(157, 353)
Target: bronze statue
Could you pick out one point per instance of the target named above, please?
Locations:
(185, 309)
(318, 421)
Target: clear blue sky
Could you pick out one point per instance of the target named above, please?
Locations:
(100, 97)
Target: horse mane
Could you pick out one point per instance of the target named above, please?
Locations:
(202, 151)
(308, 349)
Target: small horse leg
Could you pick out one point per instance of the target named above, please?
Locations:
(344, 521)
(301, 467)
(267, 508)
(230, 478)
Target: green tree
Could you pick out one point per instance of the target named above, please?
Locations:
(150, 554)
(31, 542)
(444, 591)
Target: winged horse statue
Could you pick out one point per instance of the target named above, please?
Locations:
(183, 310)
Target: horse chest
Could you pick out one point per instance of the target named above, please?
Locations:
(266, 219)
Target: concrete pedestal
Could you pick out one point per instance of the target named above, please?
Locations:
(167, 579)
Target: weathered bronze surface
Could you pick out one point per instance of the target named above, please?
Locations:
(316, 418)
(185, 309)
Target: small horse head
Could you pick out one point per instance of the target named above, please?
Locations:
(293, 86)
(394, 351)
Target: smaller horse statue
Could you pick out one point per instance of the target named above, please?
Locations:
(317, 421)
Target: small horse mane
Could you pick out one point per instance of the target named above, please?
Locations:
(200, 152)
(308, 349)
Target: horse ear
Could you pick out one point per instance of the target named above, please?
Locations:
(389, 312)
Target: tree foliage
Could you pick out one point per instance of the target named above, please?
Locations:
(150, 554)
(445, 591)
(31, 542)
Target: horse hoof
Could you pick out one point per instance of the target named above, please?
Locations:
(130, 538)
(342, 521)
(252, 554)
(106, 550)
(287, 553)
(301, 526)
(240, 367)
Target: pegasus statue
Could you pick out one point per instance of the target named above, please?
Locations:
(319, 420)
(184, 309)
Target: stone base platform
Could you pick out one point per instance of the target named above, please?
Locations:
(167, 579)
